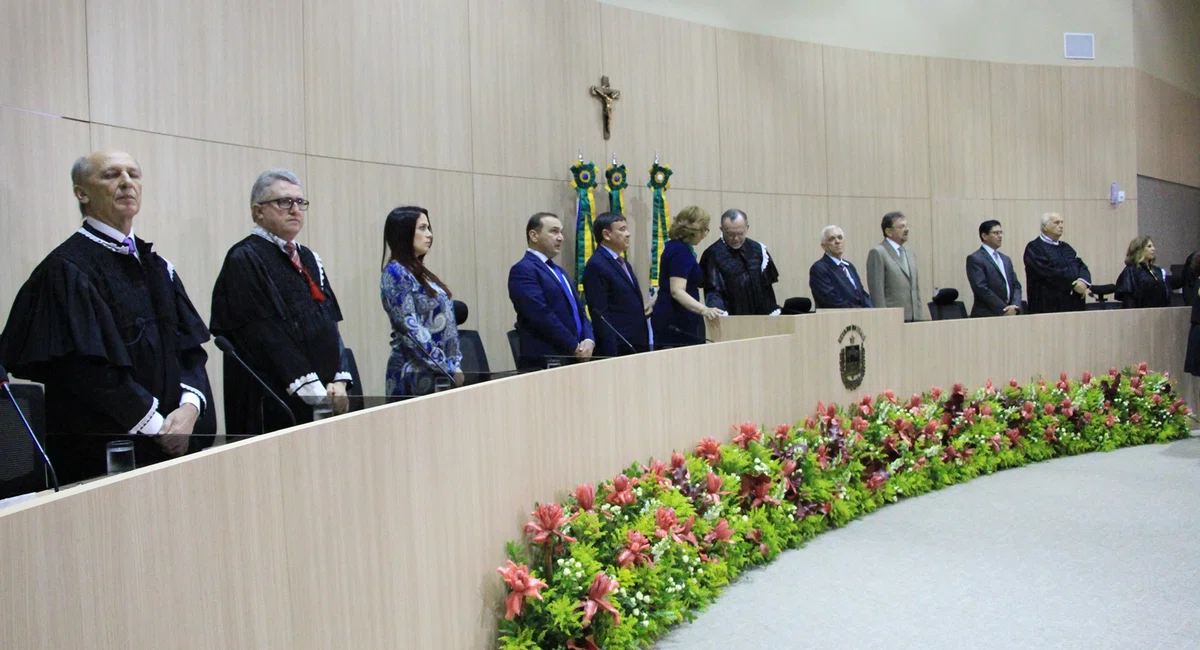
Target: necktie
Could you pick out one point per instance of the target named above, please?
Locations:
(1000, 264)
(294, 256)
(846, 270)
(130, 246)
(625, 266)
(904, 261)
(566, 287)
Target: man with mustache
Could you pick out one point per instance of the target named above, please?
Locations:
(105, 324)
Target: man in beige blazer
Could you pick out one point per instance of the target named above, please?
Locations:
(892, 270)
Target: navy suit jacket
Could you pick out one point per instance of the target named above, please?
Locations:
(611, 293)
(831, 289)
(544, 321)
(988, 285)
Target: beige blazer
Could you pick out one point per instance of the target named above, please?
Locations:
(889, 285)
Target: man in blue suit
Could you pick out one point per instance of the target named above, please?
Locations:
(614, 297)
(991, 276)
(834, 281)
(551, 321)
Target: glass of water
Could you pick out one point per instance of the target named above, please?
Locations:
(442, 383)
(120, 457)
(322, 412)
(552, 363)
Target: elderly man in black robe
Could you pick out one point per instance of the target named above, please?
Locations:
(738, 271)
(1056, 279)
(273, 301)
(105, 324)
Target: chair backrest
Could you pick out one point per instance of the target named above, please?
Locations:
(355, 393)
(22, 469)
(514, 344)
(474, 358)
(951, 311)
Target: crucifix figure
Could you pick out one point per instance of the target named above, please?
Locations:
(608, 95)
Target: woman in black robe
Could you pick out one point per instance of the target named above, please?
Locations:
(1142, 284)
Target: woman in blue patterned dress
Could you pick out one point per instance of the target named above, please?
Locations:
(424, 334)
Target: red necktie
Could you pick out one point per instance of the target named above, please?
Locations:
(294, 256)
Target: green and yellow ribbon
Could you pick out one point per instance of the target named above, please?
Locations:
(583, 179)
(616, 181)
(660, 182)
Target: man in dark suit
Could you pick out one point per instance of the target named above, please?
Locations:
(614, 297)
(551, 321)
(1056, 278)
(991, 276)
(834, 281)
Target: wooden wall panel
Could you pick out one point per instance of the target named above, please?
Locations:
(1149, 126)
(35, 192)
(228, 70)
(1027, 131)
(960, 129)
(877, 116)
(195, 206)
(389, 81)
(860, 218)
(532, 62)
(955, 226)
(1181, 135)
(43, 44)
(1101, 233)
(666, 71)
(351, 201)
(1099, 132)
(773, 115)
(790, 228)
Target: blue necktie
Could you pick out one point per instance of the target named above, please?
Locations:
(566, 287)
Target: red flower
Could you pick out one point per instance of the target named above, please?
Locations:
(1013, 383)
(1048, 409)
(809, 423)
(950, 454)
(823, 456)
(969, 415)
(710, 450)
(947, 418)
(936, 393)
(588, 644)
(747, 431)
(931, 427)
(1156, 399)
(597, 599)
(914, 402)
(1135, 418)
(1049, 435)
(1087, 377)
(860, 425)
(521, 585)
(1014, 436)
(958, 389)
(890, 395)
(720, 533)
(1063, 382)
(656, 473)
(865, 409)
(1113, 372)
(1176, 406)
(875, 483)
(995, 441)
(782, 431)
(677, 460)
(636, 551)
(758, 489)
(622, 491)
(921, 463)
(714, 483)
(1142, 368)
(1087, 417)
(756, 537)
(1110, 421)
(585, 495)
(1135, 382)
(986, 410)
(548, 518)
(667, 525)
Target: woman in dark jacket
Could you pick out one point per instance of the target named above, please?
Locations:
(1142, 284)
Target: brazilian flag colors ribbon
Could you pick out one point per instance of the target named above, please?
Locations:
(583, 179)
(617, 181)
(660, 219)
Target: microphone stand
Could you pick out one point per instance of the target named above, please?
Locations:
(618, 333)
(36, 442)
(693, 337)
(225, 346)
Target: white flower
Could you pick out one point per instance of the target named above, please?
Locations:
(637, 612)
(645, 623)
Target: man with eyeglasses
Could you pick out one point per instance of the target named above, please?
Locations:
(738, 271)
(105, 324)
(272, 300)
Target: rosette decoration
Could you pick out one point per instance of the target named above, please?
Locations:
(616, 181)
(660, 218)
(583, 179)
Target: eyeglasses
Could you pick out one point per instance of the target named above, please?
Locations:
(286, 204)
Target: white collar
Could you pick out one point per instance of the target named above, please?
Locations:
(1047, 239)
(836, 260)
(267, 235)
(611, 253)
(990, 251)
(540, 255)
(109, 231)
(895, 246)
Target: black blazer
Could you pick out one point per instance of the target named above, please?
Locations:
(617, 297)
(831, 289)
(988, 285)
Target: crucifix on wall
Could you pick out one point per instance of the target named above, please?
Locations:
(608, 95)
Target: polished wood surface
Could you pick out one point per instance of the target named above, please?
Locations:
(383, 528)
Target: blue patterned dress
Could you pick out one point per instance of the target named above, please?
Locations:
(418, 320)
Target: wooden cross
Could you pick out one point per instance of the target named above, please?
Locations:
(608, 95)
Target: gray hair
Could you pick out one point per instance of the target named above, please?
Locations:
(828, 229)
(734, 215)
(1046, 217)
(268, 177)
(80, 172)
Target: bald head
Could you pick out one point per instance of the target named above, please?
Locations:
(108, 186)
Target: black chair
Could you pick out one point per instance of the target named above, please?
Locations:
(355, 392)
(22, 469)
(514, 344)
(946, 305)
(475, 365)
(796, 306)
(1101, 292)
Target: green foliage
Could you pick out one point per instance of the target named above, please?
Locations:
(842, 465)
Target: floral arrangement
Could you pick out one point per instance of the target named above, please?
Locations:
(616, 566)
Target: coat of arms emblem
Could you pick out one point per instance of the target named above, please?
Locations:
(853, 357)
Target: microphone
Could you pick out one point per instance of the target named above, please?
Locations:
(428, 356)
(614, 330)
(225, 346)
(36, 442)
(697, 339)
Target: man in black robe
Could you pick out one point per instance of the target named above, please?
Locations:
(738, 272)
(105, 324)
(1056, 279)
(273, 301)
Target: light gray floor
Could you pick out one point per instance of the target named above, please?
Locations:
(1095, 551)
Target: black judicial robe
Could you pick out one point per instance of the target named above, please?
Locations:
(264, 306)
(110, 338)
(1143, 285)
(737, 281)
(1049, 273)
